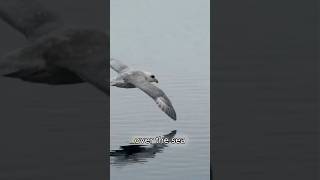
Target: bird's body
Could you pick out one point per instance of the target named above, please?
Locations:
(119, 81)
(129, 78)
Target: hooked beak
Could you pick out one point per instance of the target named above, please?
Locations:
(156, 80)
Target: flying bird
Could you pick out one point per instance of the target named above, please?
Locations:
(55, 54)
(129, 78)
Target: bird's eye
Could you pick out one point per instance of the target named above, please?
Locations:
(152, 76)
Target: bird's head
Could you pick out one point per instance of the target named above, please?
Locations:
(151, 77)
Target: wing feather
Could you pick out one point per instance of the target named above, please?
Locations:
(154, 92)
(118, 66)
(87, 59)
(92, 70)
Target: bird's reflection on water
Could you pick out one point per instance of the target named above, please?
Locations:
(130, 154)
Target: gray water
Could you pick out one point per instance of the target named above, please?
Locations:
(172, 41)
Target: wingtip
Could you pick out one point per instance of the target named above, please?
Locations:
(173, 114)
(173, 117)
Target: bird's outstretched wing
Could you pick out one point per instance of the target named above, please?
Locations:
(84, 54)
(28, 17)
(92, 70)
(117, 65)
(154, 92)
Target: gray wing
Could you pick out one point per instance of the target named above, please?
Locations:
(87, 58)
(154, 92)
(92, 70)
(28, 17)
(118, 66)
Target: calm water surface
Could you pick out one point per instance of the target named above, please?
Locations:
(135, 114)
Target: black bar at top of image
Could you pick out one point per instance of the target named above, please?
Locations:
(265, 90)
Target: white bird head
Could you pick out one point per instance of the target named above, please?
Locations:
(151, 77)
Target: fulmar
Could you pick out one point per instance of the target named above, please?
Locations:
(130, 78)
